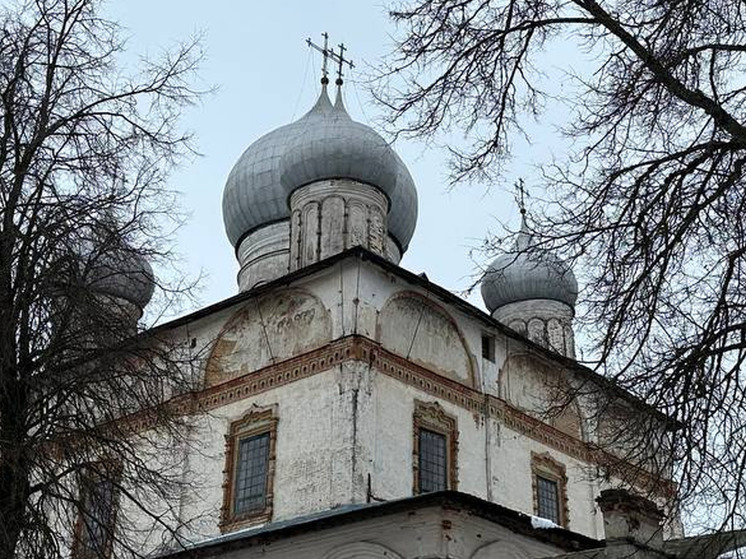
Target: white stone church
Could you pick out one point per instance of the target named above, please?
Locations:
(351, 408)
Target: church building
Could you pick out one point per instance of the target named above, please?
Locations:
(351, 408)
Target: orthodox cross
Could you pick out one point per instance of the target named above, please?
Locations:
(325, 52)
(328, 53)
(341, 61)
(521, 196)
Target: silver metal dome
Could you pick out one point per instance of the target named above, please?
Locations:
(124, 274)
(526, 274)
(253, 195)
(403, 212)
(324, 143)
(331, 145)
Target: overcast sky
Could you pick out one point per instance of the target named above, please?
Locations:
(266, 77)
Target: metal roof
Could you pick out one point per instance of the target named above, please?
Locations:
(526, 273)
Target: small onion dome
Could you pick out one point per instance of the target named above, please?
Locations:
(323, 144)
(526, 274)
(122, 273)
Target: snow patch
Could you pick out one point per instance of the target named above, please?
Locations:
(542, 523)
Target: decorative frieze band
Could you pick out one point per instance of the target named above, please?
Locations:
(358, 348)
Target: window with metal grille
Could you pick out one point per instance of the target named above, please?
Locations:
(547, 499)
(250, 490)
(97, 515)
(433, 461)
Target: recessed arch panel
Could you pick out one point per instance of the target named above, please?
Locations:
(418, 329)
(531, 386)
(266, 330)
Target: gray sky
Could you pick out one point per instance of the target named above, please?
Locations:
(266, 75)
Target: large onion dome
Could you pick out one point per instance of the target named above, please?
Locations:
(122, 273)
(330, 145)
(528, 273)
(253, 196)
(323, 144)
(403, 214)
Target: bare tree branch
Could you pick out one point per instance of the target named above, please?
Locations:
(649, 203)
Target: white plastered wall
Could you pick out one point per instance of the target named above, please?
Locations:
(337, 427)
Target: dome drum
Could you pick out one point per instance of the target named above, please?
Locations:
(263, 255)
(330, 216)
(543, 321)
(393, 252)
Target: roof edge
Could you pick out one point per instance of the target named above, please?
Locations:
(445, 295)
(515, 521)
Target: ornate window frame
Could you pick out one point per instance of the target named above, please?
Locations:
(431, 416)
(256, 421)
(109, 471)
(545, 466)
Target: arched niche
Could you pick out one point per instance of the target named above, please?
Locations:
(416, 328)
(531, 386)
(266, 330)
(500, 548)
(362, 550)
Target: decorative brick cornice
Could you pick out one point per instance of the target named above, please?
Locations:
(259, 381)
(282, 373)
(476, 402)
(480, 404)
(359, 348)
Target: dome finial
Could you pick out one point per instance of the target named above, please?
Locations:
(325, 53)
(521, 188)
(523, 240)
(341, 61)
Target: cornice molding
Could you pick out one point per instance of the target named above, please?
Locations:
(359, 348)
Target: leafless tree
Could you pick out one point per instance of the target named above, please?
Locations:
(650, 201)
(85, 149)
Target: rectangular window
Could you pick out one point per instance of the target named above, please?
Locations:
(547, 499)
(250, 453)
(434, 449)
(549, 480)
(96, 521)
(250, 490)
(488, 347)
(433, 466)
